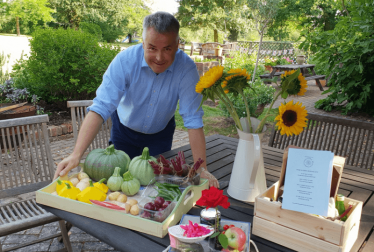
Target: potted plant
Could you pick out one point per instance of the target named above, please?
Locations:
(269, 63)
(218, 50)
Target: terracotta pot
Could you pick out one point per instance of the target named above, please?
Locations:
(269, 68)
(218, 51)
(323, 83)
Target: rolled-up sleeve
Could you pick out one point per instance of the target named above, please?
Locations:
(189, 100)
(111, 90)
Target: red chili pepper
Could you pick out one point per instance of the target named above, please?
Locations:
(107, 205)
(223, 232)
(225, 227)
(232, 225)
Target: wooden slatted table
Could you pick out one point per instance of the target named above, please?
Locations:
(356, 183)
(304, 69)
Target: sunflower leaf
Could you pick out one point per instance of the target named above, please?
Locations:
(284, 94)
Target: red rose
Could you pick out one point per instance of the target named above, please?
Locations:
(213, 197)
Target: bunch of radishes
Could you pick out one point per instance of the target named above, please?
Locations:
(175, 166)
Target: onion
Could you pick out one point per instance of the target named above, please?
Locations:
(149, 206)
(159, 201)
(146, 215)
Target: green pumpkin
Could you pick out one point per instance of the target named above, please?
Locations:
(130, 185)
(100, 163)
(141, 169)
(115, 181)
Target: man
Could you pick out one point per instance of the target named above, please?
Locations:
(140, 91)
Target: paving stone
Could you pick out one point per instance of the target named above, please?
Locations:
(96, 246)
(75, 230)
(35, 230)
(56, 245)
(18, 238)
(48, 230)
(43, 246)
(83, 237)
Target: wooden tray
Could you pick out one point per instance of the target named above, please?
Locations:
(193, 193)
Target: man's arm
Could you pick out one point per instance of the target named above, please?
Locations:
(198, 148)
(90, 127)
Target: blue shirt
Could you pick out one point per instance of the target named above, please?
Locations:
(146, 102)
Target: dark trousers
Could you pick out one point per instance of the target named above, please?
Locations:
(133, 142)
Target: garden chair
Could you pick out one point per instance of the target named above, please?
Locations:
(208, 48)
(348, 138)
(195, 46)
(26, 165)
(78, 112)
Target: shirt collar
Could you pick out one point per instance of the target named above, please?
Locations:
(169, 69)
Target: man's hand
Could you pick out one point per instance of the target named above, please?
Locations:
(66, 165)
(207, 175)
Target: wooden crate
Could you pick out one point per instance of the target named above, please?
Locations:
(305, 232)
(44, 196)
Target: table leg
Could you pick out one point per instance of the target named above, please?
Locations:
(317, 80)
(319, 85)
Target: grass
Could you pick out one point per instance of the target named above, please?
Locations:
(214, 122)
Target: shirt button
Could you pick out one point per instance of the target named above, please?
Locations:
(154, 91)
(151, 104)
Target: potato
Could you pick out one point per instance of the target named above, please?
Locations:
(74, 181)
(85, 180)
(113, 196)
(122, 198)
(134, 210)
(82, 175)
(132, 202)
(127, 207)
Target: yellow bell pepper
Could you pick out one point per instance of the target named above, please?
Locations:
(91, 193)
(69, 192)
(103, 187)
(61, 185)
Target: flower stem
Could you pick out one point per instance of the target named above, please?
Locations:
(247, 109)
(230, 108)
(262, 123)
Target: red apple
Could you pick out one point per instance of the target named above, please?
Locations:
(236, 238)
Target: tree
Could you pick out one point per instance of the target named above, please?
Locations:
(262, 14)
(115, 17)
(212, 14)
(30, 11)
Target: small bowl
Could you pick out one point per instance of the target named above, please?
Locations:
(177, 232)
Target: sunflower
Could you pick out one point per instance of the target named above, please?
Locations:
(239, 72)
(224, 84)
(209, 78)
(291, 118)
(303, 85)
(298, 86)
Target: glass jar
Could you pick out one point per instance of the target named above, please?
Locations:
(340, 206)
(210, 217)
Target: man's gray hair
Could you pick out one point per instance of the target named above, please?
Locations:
(162, 22)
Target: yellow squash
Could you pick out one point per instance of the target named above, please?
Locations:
(91, 193)
(69, 192)
(103, 187)
(61, 185)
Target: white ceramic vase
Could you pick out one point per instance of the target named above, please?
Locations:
(248, 173)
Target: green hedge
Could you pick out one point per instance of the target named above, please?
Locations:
(63, 65)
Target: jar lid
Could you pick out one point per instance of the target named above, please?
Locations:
(340, 197)
(209, 214)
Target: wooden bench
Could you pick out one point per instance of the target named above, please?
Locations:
(267, 76)
(78, 113)
(348, 138)
(25, 168)
(315, 77)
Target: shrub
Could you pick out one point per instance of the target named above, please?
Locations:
(91, 28)
(350, 45)
(244, 61)
(259, 94)
(63, 65)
